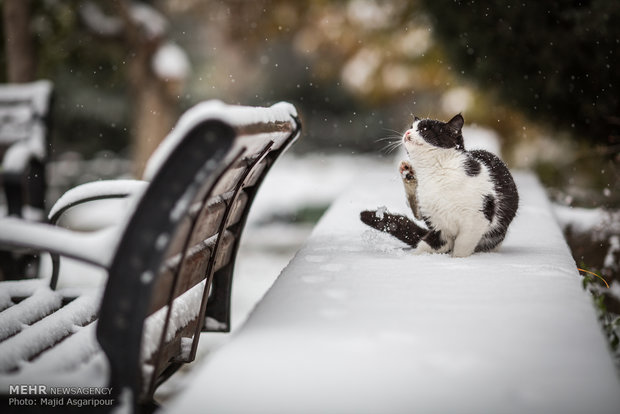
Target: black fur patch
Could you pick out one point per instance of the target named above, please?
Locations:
(506, 198)
(440, 134)
(397, 225)
(472, 167)
(427, 221)
(488, 207)
(433, 238)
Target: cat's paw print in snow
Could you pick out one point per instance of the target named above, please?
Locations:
(332, 267)
(337, 294)
(313, 258)
(316, 279)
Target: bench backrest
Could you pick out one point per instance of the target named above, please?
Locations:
(183, 236)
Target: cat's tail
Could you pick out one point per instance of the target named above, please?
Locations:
(399, 226)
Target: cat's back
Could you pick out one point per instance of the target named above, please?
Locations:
(497, 169)
(503, 183)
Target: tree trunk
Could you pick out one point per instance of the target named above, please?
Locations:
(20, 57)
(153, 117)
(154, 104)
(154, 108)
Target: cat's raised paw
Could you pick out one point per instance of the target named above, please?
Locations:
(406, 171)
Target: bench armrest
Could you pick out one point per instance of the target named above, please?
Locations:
(96, 190)
(96, 248)
(18, 156)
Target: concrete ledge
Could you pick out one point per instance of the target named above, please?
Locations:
(358, 324)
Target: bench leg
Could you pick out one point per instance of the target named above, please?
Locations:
(217, 316)
(27, 188)
(14, 192)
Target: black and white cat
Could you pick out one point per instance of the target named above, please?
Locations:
(466, 198)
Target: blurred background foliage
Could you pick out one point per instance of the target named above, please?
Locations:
(541, 74)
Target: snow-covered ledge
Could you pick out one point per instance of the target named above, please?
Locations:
(357, 324)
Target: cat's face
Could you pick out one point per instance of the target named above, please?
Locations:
(427, 134)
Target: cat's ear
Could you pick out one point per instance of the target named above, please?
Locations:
(415, 119)
(457, 122)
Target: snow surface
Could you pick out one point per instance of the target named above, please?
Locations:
(310, 180)
(232, 114)
(358, 323)
(585, 220)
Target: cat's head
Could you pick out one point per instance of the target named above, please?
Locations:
(429, 133)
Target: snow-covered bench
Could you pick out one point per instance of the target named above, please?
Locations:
(169, 265)
(24, 138)
(358, 324)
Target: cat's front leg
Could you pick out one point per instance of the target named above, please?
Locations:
(434, 242)
(410, 182)
(468, 238)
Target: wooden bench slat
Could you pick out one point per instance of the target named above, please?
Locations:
(230, 180)
(257, 171)
(184, 310)
(46, 332)
(210, 219)
(173, 351)
(32, 309)
(224, 253)
(69, 354)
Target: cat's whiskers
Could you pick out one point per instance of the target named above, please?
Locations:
(394, 141)
(391, 146)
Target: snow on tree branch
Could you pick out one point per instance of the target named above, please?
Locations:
(151, 22)
(170, 62)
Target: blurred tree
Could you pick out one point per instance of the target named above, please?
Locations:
(357, 69)
(156, 68)
(99, 53)
(556, 60)
(20, 57)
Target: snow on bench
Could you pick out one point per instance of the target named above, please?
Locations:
(358, 323)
